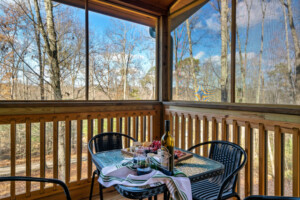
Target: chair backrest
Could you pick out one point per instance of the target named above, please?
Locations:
(107, 141)
(35, 179)
(230, 155)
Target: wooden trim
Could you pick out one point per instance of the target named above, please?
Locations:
(13, 157)
(262, 160)
(108, 124)
(99, 120)
(126, 131)
(28, 155)
(79, 149)
(149, 138)
(296, 162)
(278, 169)
(187, 8)
(42, 153)
(261, 108)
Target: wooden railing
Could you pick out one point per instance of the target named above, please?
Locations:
(32, 133)
(271, 141)
(65, 129)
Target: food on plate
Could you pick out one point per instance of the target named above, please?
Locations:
(155, 145)
(178, 154)
(147, 144)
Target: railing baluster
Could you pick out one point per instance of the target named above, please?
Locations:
(126, 131)
(142, 129)
(171, 123)
(190, 131)
(262, 159)
(197, 133)
(118, 124)
(235, 132)
(248, 164)
(90, 135)
(109, 124)
(134, 128)
(278, 154)
(224, 130)
(183, 121)
(205, 136)
(296, 162)
(55, 151)
(79, 148)
(176, 130)
(67, 150)
(100, 125)
(28, 155)
(42, 153)
(149, 138)
(214, 129)
(13, 157)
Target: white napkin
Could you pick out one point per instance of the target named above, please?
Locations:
(179, 185)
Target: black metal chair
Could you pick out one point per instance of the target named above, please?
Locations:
(261, 197)
(35, 179)
(223, 186)
(105, 142)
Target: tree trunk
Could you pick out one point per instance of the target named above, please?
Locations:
(188, 30)
(289, 70)
(297, 49)
(224, 74)
(263, 10)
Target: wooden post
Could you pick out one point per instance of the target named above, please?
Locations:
(214, 131)
(224, 130)
(90, 135)
(205, 136)
(190, 131)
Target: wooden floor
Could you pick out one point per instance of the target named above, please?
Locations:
(112, 194)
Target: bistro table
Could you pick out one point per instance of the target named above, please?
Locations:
(197, 168)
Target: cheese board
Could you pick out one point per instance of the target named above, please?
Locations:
(179, 155)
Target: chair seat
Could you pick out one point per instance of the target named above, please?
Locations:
(207, 189)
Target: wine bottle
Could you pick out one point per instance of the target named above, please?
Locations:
(167, 149)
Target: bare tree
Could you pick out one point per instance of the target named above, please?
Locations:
(260, 74)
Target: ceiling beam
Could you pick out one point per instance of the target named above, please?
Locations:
(142, 6)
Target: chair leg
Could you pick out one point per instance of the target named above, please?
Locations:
(238, 197)
(166, 195)
(149, 198)
(101, 191)
(92, 185)
(155, 197)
